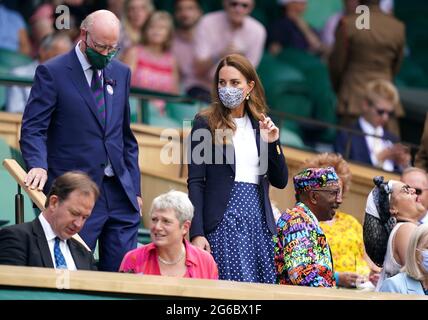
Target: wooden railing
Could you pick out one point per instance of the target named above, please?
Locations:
(38, 197)
(159, 286)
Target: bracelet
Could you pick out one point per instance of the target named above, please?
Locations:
(336, 278)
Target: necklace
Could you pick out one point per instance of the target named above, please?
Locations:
(171, 263)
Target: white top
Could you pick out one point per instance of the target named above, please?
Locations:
(376, 145)
(50, 237)
(246, 155)
(390, 266)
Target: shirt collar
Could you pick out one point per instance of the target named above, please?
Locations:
(368, 128)
(82, 59)
(308, 211)
(49, 233)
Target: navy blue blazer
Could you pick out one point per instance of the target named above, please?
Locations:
(210, 184)
(25, 244)
(359, 150)
(61, 129)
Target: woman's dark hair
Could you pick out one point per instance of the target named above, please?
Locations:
(376, 230)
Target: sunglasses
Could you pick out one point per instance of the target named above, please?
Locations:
(381, 112)
(419, 191)
(243, 5)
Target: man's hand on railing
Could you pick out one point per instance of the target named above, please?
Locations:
(36, 178)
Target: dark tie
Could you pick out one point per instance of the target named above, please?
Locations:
(59, 258)
(98, 91)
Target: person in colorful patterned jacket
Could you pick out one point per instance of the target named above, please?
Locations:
(302, 254)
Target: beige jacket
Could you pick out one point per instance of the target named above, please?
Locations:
(360, 56)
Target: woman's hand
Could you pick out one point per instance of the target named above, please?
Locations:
(268, 130)
(202, 243)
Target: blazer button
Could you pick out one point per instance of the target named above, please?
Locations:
(265, 176)
(231, 177)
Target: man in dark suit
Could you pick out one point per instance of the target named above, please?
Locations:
(385, 153)
(47, 241)
(77, 117)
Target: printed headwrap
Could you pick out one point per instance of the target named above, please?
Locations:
(315, 178)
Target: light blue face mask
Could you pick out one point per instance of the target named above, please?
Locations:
(424, 262)
(231, 97)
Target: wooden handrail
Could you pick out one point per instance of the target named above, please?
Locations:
(123, 283)
(38, 197)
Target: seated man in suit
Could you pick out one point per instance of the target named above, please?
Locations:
(47, 241)
(377, 109)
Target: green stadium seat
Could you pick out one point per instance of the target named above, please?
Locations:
(321, 93)
(11, 59)
(318, 12)
(181, 111)
(278, 77)
(291, 139)
(7, 200)
(156, 119)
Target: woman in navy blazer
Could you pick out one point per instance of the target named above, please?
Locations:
(235, 155)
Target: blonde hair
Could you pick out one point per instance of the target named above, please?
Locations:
(382, 89)
(331, 160)
(159, 16)
(419, 235)
(218, 116)
(134, 36)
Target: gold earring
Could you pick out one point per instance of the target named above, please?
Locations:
(247, 97)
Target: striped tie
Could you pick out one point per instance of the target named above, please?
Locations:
(98, 91)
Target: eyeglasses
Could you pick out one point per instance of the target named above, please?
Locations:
(101, 47)
(243, 5)
(407, 189)
(419, 191)
(332, 193)
(381, 112)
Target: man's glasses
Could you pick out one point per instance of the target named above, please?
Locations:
(381, 112)
(332, 193)
(419, 191)
(101, 47)
(243, 5)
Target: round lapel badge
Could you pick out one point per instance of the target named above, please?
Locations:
(110, 89)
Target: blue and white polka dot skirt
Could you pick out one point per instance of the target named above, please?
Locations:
(241, 244)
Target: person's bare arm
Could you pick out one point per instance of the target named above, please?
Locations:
(401, 242)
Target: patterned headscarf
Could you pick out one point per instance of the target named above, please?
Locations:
(315, 178)
(378, 222)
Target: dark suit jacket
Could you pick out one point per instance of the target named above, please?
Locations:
(26, 245)
(359, 150)
(61, 129)
(210, 184)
